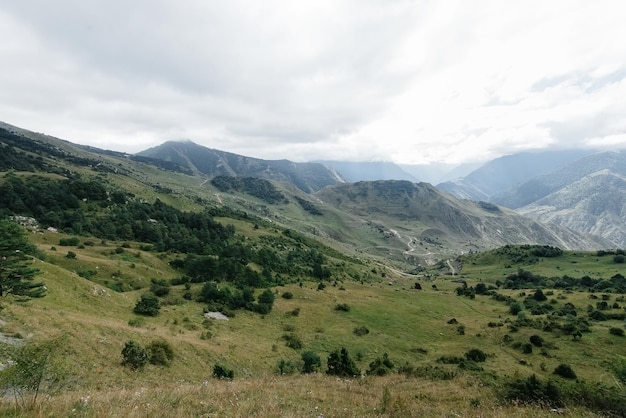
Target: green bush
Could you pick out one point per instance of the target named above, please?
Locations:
(476, 355)
(531, 390)
(69, 242)
(148, 304)
(380, 366)
(361, 331)
(293, 341)
(287, 295)
(285, 367)
(160, 287)
(222, 372)
(565, 371)
(536, 340)
(35, 368)
(616, 331)
(340, 364)
(312, 362)
(134, 355)
(344, 307)
(160, 352)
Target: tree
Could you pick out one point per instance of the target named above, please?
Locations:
(35, 368)
(16, 275)
(340, 364)
(148, 304)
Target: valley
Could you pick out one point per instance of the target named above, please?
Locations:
(373, 298)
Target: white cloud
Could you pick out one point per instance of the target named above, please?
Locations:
(412, 81)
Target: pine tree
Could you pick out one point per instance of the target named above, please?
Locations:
(16, 275)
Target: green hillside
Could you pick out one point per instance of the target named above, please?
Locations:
(135, 251)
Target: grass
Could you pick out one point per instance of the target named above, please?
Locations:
(410, 325)
(290, 396)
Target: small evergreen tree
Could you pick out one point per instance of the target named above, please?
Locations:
(340, 364)
(16, 275)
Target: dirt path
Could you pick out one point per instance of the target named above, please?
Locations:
(452, 269)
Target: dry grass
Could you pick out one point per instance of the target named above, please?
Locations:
(315, 395)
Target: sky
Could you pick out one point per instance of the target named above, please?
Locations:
(413, 82)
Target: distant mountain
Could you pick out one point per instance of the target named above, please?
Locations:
(308, 177)
(588, 196)
(422, 212)
(440, 172)
(502, 174)
(368, 171)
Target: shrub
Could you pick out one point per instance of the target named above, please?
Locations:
(134, 355)
(223, 372)
(527, 348)
(312, 362)
(344, 307)
(450, 359)
(515, 308)
(539, 296)
(531, 390)
(69, 242)
(360, 331)
(161, 352)
(340, 364)
(284, 367)
(536, 340)
(148, 304)
(287, 295)
(160, 287)
(71, 255)
(616, 331)
(35, 368)
(293, 341)
(476, 355)
(294, 312)
(565, 371)
(380, 366)
(619, 259)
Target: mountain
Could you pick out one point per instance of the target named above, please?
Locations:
(587, 196)
(439, 172)
(504, 173)
(418, 214)
(308, 177)
(388, 220)
(368, 171)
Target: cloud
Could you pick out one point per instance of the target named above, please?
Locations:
(412, 81)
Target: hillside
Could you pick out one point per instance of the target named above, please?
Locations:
(421, 214)
(504, 173)
(308, 177)
(347, 302)
(586, 195)
(368, 171)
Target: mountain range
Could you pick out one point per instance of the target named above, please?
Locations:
(411, 223)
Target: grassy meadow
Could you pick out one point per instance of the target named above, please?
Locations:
(416, 328)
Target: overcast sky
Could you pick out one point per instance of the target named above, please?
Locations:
(370, 80)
